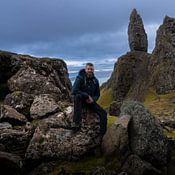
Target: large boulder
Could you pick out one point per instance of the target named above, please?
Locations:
(136, 33)
(116, 141)
(162, 63)
(34, 75)
(15, 140)
(146, 135)
(43, 105)
(136, 166)
(31, 82)
(10, 115)
(139, 133)
(54, 137)
(20, 101)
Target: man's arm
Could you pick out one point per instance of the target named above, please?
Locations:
(76, 88)
(97, 92)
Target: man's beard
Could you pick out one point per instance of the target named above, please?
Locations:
(89, 75)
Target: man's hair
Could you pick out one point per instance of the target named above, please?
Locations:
(89, 64)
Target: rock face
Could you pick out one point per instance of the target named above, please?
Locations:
(139, 133)
(43, 105)
(136, 166)
(116, 140)
(15, 140)
(136, 72)
(37, 111)
(136, 33)
(162, 64)
(9, 114)
(34, 76)
(20, 101)
(129, 79)
(53, 138)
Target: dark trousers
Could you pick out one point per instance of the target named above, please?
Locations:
(80, 102)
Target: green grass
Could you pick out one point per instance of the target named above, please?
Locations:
(105, 98)
(160, 105)
(111, 120)
(86, 165)
(170, 134)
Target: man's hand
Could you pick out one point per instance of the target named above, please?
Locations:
(89, 100)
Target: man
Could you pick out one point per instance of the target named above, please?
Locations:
(86, 92)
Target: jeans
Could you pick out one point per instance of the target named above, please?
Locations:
(80, 102)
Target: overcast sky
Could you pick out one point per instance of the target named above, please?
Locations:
(76, 29)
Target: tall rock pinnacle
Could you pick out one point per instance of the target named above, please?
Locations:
(136, 33)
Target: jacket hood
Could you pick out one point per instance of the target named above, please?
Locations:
(82, 73)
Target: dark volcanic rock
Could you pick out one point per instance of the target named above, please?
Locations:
(9, 114)
(146, 136)
(15, 140)
(20, 101)
(43, 105)
(116, 141)
(29, 81)
(114, 108)
(42, 169)
(34, 75)
(136, 33)
(162, 64)
(136, 166)
(10, 164)
(139, 133)
(54, 138)
(129, 78)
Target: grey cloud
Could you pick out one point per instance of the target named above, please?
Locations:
(75, 28)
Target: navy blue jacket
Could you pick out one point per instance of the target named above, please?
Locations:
(86, 86)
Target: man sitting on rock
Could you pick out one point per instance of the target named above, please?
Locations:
(86, 92)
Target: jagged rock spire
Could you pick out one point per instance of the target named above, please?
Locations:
(136, 33)
(165, 39)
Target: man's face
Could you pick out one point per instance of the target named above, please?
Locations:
(89, 70)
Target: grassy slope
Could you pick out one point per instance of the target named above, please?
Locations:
(162, 106)
(104, 101)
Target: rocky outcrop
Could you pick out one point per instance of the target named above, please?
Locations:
(136, 33)
(136, 166)
(116, 140)
(37, 112)
(15, 139)
(34, 76)
(54, 138)
(162, 64)
(20, 101)
(10, 115)
(130, 76)
(136, 72)
(129, 79)
(43, 105)
(137, 132)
